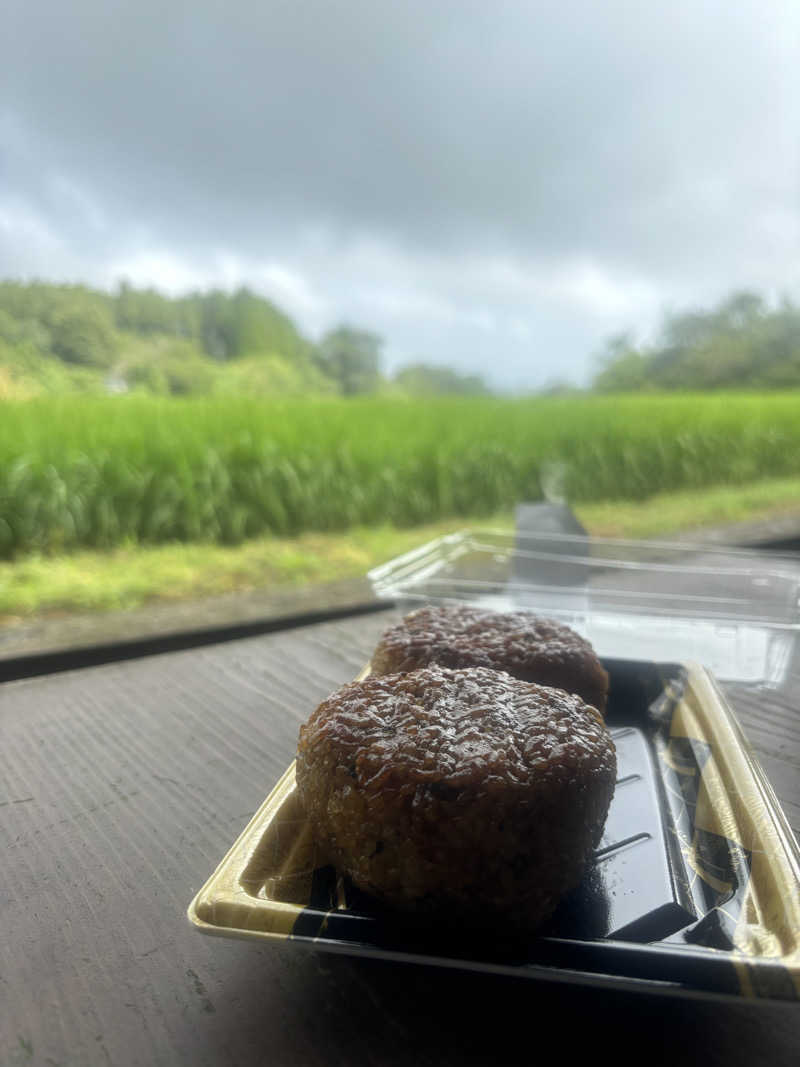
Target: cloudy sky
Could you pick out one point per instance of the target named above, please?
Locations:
(498, 185)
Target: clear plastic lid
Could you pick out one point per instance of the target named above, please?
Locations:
(733, 610)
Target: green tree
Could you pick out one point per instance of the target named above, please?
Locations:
(146, 312)
(84, 335)
(168, 344)
(217, 327)
(176, 368)
(351, 357)
(740, 343)
(624, 367)
(257, 326)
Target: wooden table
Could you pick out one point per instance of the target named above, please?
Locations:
(122, 786)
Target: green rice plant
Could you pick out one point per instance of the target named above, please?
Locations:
(88, 471)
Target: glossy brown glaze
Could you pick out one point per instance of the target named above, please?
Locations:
(526, 646)
(461, 791)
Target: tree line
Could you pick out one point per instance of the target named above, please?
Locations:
(741, 343)
(60, 338)
(65, 337)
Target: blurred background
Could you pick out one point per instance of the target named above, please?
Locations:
(286, 289)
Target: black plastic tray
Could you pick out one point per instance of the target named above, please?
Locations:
(693, 890)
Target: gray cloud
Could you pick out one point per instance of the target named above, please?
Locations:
(497, 185)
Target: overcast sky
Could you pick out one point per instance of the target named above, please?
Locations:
(498, 186)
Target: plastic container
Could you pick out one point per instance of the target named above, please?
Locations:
(735, 611)
(695, 889)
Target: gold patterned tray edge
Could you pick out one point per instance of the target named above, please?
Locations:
(736, 801)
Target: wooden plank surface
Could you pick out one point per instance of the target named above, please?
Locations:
(122, 786)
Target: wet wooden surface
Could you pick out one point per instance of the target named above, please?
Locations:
(122, 786)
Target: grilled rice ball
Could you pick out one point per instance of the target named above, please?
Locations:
(535, 649)
(465, 794)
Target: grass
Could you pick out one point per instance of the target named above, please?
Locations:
(130, 576)
(665, 514)
(111, 502)
(102, 472)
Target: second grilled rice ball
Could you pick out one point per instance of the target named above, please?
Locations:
(525, 645)
(461, 793)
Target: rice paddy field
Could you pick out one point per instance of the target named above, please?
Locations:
(88, 472)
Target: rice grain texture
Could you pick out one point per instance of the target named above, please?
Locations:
(525, 645)
(464, 793)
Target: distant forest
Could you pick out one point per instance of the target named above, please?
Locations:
(67, 338)
(742, 343)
